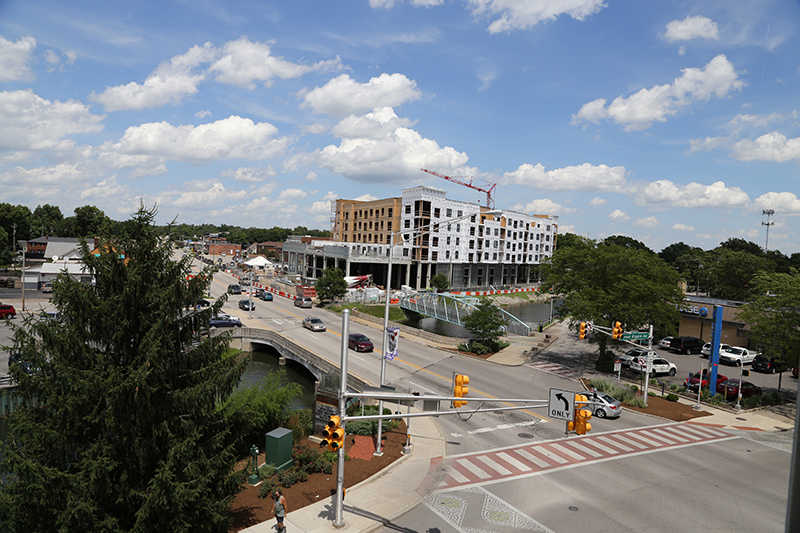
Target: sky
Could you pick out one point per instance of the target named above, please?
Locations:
(666, 121)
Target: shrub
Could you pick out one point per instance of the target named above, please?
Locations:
(773, 397)
(289, 477)
(267, 488)
(463, 347)
(370, 427)
(266, 471)
(651, 393)
(672, 397)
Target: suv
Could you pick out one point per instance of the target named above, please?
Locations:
(687, 345)
(7, 310)
(234, 289)
(765, 363)
(303, 301)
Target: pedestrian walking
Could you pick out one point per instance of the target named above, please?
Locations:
(279, 510)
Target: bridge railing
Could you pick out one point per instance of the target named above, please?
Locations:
(454, 309)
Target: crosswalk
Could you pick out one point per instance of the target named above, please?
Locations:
(555, 368)
(532, 459)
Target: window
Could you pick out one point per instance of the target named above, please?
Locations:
(408, 209)
(434, 256)
(449, 227)
(456, 254)
(460, 214)
(496, 243)
(547, 228)
(437, 212)
(494, 256)
(407, 224)
(547, 248)
(472, 219)
(447, 254)
(496, 232)
(458, 241)
(381, 211)
(389, 226)
(435, 241)
(448, 241)
(389, 212)
(471, 244)
(486, 256)
(458, 228)
(405, 252)
(547, 238)
(371, 214)
(449, 213)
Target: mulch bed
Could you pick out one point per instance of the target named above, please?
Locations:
(658, 406)
(248, 509)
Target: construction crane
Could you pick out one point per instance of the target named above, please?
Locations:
(461, 181)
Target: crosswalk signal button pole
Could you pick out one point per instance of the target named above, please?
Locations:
(460, 389)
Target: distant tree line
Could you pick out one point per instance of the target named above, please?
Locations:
(19, 223)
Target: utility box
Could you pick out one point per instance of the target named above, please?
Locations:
(278, 448)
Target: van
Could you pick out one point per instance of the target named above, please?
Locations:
(303, 301)
(687, 345)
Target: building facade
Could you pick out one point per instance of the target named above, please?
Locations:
(430, 234)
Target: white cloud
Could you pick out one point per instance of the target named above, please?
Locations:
(543, 206)
(772, 146)
(649, 222)
(231, 138)
(585, 177)
(168, 84)
(682, 227)
(203, 114)
(108, 188)
(375, 125)
(781, 202)
(597, 201)
(638, 111)
(618, 216)
(250, 174)
(696, 27)
(690, 195)
(397, 154)
(204, 194)
(56, 175)
(15, 58)
(311, 176)
(29, 122)
(366, 198)
(244, 62)
(707, 144)
(390, 3)
(293, 194)
(524, 14)
(344, 96)
(320, 207)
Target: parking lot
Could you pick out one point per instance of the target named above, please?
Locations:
(34, 301)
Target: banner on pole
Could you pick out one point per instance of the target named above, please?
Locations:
(391, 349)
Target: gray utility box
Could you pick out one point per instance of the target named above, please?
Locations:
(278, 448)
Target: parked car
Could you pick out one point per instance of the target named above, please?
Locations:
(303, 301)
(706, 351)
(7, 311)
(47, 287)
(771, 365)
(692, 381)
(736, 355)
(687, 345)
(359, 343)
(266, 296)
(247, 305)
(202, 303)
(314, 324)
(632, 357)
(730, 388)
(602, 405)
(660, 366)
(225, 321)
(234, 289)
(664, 343)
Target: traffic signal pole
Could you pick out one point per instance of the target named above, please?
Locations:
(338, 520)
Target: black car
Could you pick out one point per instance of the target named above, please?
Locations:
(225, 322)
(234, 289)
(247, 305)
(772, 365)
(687, 345)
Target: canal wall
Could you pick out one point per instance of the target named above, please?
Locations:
(440, 341)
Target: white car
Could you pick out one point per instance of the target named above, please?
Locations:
(664, 343)
(631, 357)
(706, 350)
(660, 366)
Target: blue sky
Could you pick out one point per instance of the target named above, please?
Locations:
(665, 121)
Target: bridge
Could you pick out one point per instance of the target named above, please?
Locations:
(453, 308)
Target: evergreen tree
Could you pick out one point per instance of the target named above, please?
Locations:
(125, 425)
(487, 325)
(440, 282)
(331, 284)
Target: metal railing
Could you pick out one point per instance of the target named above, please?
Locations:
(453, 309)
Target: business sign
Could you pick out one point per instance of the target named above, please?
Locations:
(391, 348)
(561, 404)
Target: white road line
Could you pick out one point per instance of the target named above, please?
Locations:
(550, 455)
(494, 465)
(574, 455)
(532, 458)
(473, 468)
(513, 462)
(612, 442)
(420, 386)
(579, 446)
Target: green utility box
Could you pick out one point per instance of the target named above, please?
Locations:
(278, 448)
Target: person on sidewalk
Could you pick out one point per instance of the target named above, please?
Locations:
(279, 509)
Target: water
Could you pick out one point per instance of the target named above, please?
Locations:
(266, 361)
(530, 313)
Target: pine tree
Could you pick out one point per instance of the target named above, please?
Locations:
(125, 425)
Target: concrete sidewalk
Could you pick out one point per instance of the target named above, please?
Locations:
(374, 502)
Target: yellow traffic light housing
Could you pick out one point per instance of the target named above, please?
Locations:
(580, 419)
(333, 434)
(616, 330)
(460, 389)
(582, 331)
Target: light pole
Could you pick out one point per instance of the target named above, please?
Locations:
(385, 344)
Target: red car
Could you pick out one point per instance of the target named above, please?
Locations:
(359, 343)
(7, 310)
(730, 389)
(691, 381)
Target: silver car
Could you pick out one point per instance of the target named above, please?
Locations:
(314, 324)
(602, 405)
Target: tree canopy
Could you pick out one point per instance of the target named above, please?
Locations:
(487, 325)
(125, 423)
(605, 283)
(331, 284)
(440, 282)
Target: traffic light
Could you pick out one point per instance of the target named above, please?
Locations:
(580, 419)
(460, 389)
(616, 330)
(333, 434)
(582, 331)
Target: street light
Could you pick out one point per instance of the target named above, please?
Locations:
(412, 231)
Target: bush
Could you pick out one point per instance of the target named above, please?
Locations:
(267, 488)
(370, 427)
(289, 477)
(651, 394)
(672, 397)
(266, 471)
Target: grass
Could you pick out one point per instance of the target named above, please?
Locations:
(395, 313)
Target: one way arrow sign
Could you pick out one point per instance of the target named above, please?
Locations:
(561, 404)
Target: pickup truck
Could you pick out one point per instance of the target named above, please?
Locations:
(736, 355)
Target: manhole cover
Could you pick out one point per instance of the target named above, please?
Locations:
(525, 435)
(573, 508)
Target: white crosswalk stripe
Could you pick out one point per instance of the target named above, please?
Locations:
(473, 468)
(612, 442)
(519, 465)
(541, 463)
(567, 451)
(494, 465)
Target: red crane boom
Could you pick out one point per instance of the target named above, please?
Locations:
(460, 181)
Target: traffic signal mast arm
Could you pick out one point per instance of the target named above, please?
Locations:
(610, 333)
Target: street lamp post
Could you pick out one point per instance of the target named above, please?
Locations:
(385, 343)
